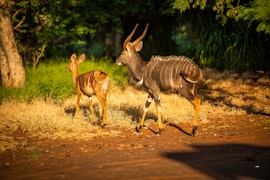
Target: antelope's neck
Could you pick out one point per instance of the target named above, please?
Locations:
(74, 75)
(136, 69)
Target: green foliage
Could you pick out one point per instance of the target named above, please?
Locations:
(255, 11)
(51, 80)
(241, 49)
(182, 37)
(259, 11)
(183, 5)
(233, 43)
(63, 27)
(68, 26)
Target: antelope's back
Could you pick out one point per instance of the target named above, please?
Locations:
(165, 70)
(84, 83)
(91, 81)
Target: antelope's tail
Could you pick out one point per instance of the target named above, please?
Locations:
(100, 76)
(193, 74)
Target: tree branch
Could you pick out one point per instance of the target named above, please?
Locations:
(36, 59)
(19, 23)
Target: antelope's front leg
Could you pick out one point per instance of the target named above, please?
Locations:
(77, 105)
(146, 106)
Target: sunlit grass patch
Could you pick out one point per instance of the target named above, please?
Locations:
(47, 119)
(7, 142)
(44, 119)
(265, 123)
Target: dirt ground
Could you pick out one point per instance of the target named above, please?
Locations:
(239, 150)
(225, 147)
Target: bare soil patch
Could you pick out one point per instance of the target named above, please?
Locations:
(232, 142)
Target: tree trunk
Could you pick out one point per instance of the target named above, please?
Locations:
(12, 71)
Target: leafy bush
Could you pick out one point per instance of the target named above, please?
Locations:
(228, 35)
(241, 49)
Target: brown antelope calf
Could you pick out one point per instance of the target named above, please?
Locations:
(171, 74)
(90, 83)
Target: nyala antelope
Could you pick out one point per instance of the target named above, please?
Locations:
(90, 83)
(171, 74)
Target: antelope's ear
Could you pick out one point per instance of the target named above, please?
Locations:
(129, 46)
(73, 57)
(138, 46)
(81, 58)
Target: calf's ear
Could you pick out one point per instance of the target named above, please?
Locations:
(73, 57)
(81, 58)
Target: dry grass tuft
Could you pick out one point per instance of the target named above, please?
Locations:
(248, 91)
(222, 94)
(7, 142)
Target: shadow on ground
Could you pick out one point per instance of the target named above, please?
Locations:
(136, 113)
(226, 161)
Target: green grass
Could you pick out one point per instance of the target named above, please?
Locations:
(51, 80)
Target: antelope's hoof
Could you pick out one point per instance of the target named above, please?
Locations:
(138, 128)
(103, 125)
(194, 130)
(73, 117)
(159, 131)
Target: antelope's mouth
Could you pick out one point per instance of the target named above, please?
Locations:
(118, 63)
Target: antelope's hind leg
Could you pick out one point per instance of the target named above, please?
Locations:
(93, 118)
(158, 109)
(187, 90)
(91, 110)
(102, 99)
(196, 103)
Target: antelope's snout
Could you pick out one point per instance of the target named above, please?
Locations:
(118, 61)
(67, 68)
